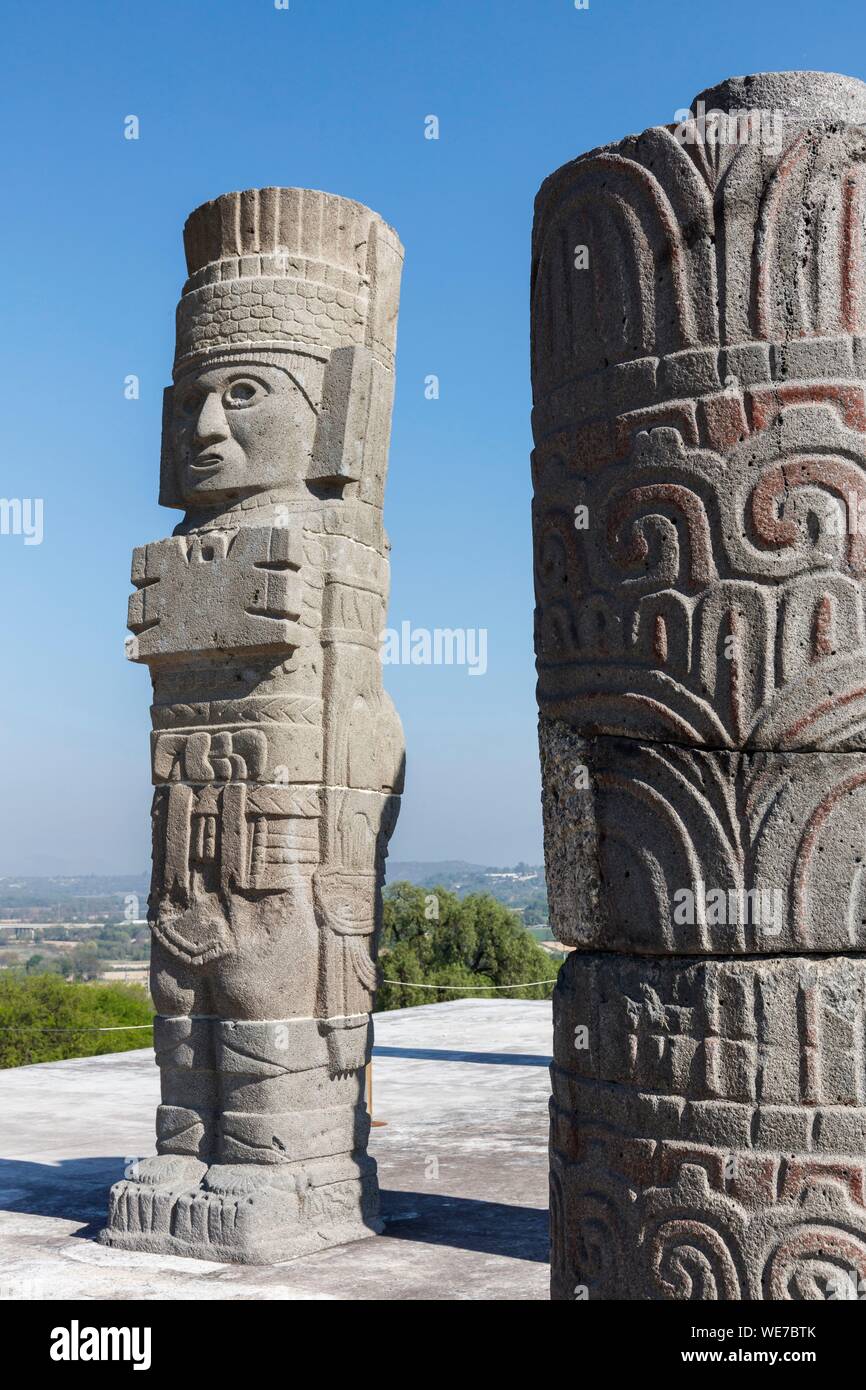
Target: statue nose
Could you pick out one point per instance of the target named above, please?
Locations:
(211, 424)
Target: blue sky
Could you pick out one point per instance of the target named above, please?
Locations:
(328, 94)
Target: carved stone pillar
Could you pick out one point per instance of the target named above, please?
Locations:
(699, 356)
(277, 756)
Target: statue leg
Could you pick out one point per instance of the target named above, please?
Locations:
(144, 1207)
(290, 1174)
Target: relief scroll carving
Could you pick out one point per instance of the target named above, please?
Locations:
(277, 757)
(699, 519)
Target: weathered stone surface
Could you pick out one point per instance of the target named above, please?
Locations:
(709, 1128)
(657, 848)
(277, 757)
(710, 600)
(699, 413)
(699, 390)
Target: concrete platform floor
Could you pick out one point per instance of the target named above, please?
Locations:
(462, 1159)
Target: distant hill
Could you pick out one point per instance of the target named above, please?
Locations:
(93, 897)
(69, 897)
(420, 871)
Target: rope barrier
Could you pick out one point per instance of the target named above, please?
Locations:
(140, 1027)
(85, 1028)
(471, 989)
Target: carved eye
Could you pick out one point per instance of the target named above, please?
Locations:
(242, 393)
(191, 403)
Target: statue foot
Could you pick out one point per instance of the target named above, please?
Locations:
(245, 1179)
(169, 1170)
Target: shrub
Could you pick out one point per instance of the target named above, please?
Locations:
(32, 1006)
(432, 937)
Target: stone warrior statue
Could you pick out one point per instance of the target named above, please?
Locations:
(277, 756)
(699, 363)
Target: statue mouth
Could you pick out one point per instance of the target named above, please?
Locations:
(207, 463)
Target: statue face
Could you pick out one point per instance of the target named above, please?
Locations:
(239, 428)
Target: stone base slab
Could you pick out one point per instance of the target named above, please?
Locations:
(265, 1217)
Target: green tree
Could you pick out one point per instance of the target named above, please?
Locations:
(432, 937)
(44, 1018)
(84, 962)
